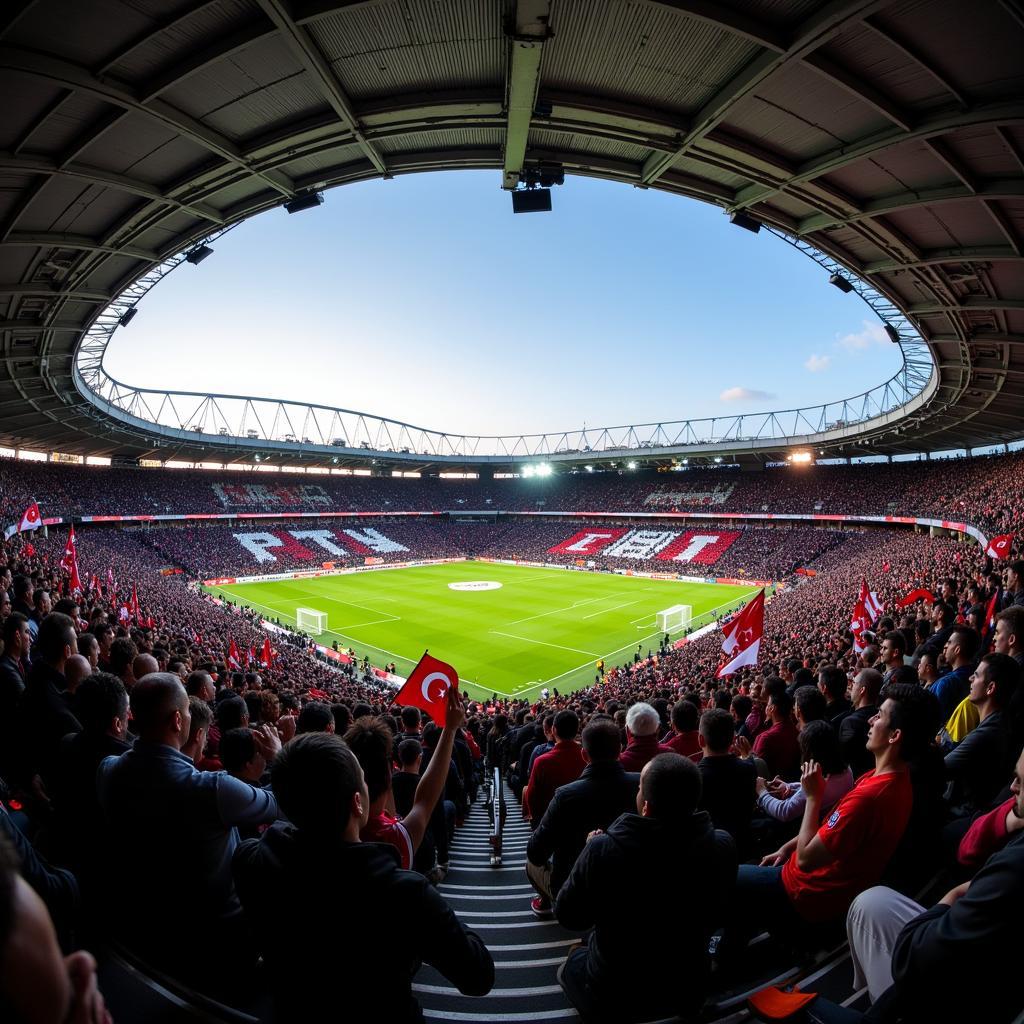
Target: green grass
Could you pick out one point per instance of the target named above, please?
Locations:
(542, 627)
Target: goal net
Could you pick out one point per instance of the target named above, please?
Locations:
(674, 618)
(309, 620)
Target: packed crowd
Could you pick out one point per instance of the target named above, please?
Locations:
(824, 787)
(983, 491)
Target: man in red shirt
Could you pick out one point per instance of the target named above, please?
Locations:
(371, 741)
(562, 764)
(779, 744)
(643, 724)
(814, 877)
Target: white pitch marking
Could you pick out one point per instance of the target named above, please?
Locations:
(614, 607)
(543, 643)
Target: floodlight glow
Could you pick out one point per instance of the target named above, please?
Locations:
(630, 465)
(686, 462)
(590, 469)
(718, 458)
(544, 469)
(528, 470)
(800, 457)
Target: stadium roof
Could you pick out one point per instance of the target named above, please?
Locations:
(887, 137)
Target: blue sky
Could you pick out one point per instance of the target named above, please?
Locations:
(425, 299)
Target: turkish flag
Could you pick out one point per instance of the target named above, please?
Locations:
(30, 519)
(69, 561)
(999, 547)
(427, 687)
(743, 637)
(267, 656)
(234, 660)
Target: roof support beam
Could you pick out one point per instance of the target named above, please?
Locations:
(814, 32)
(57, 240)
(968, 302)
(998, 112)
(522, 77)
(932, 257)
(860, 90)
(51, 292)
(1005, 225)
(980, 339)
(302, 46)
(909, 200)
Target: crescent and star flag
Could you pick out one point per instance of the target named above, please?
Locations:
(999, 547)
(30, 520)
(427, 687)
(743, 637)
(234, 661)
(69, 561)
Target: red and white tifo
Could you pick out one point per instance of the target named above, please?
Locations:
(687, 547)
(316, 545)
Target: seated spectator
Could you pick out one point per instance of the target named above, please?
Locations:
(633, 939)
(990, 832)
(603, 792)
(168, 820)
(832, 683)
(404, 782)
(642, 727)
(959, 652)
(17, 641)
(371, 741)
(727, 782)
(977, 766)
(684, 738)
(562, 764)
(814, 877)
(943, 620)
(778, 745)
(809, 705)
(853, 729)
(102, 706)
(541, 739)
(1009, 634)
(200, 684)
(784, 801)
(325, 797)
(892, 655)
(904, 954)
(315, 717)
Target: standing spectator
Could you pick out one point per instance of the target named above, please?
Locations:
(684, 738)
(642, 726)
(778, 745)
(832, 683)
(727, 782)
(958, 653)
(1014, 593)
(564, 763)
(853, 730)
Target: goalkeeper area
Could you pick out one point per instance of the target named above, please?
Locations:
(507, 629)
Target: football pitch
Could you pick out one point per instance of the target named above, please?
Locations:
(507, 629)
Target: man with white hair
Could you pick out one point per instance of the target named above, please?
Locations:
(642, 725)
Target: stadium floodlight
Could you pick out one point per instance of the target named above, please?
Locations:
(544, 469)
(590, 469)
(718, 458)
(894, 335)
(800, 458)
(127, 316)
(307, 202)
(630, 465)
(528, 471)
(741, 220)
(198, 254)
(840, 282)
(686, 462)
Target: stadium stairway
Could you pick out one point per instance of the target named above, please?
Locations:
(495, 903)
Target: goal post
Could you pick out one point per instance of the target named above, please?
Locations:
(309, 620)
(675, 618)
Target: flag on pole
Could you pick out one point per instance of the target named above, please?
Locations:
(133, 608)
(30, 520)
(427, 687)
(69, 562)
(742, 642)
(234, 660)
(267, 655)
(865, 611)
(999, 547)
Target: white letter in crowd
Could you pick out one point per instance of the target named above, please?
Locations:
(258, 543)
(375, 541)
(586, 544)
(698, 542)
(322, 537)
(641, 543)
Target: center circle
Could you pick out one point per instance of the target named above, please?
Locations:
(475, 585)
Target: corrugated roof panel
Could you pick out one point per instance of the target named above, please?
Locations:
(168, 47)
(382, 49)
(476, 138)
(643, 53)
(335, 157)
(946, 225)
(703, 169)
(64, 125)
(882, 66)
(271, 107)
(976, 45)
(135, 137)
(556, 141)
(26, 99)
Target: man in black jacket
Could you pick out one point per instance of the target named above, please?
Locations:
(853, 729)
(640, 963)
(604, 791)
(727, 781)
(322, 791)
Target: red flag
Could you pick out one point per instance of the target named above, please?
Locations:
(990, 616)
(30, 549)
(999, 547)
(427, 687)
(921, 594)
(69, 561)
(743, 637)
(872, 605)
(30, 518)
(133, 608)
(234, 661)
(267, 656)
(110, 581)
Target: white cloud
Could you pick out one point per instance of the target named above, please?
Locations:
(744, 395)
(818, 363)
(869, 334)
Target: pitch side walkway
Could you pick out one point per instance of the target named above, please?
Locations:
(495, 903)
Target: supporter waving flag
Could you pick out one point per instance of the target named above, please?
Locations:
(999, 547)
(133, 608)
(921, 594)
(427, 687)
(267, 655)
(743, 637)
(69, 562)
(30, 520)
(234, 660)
